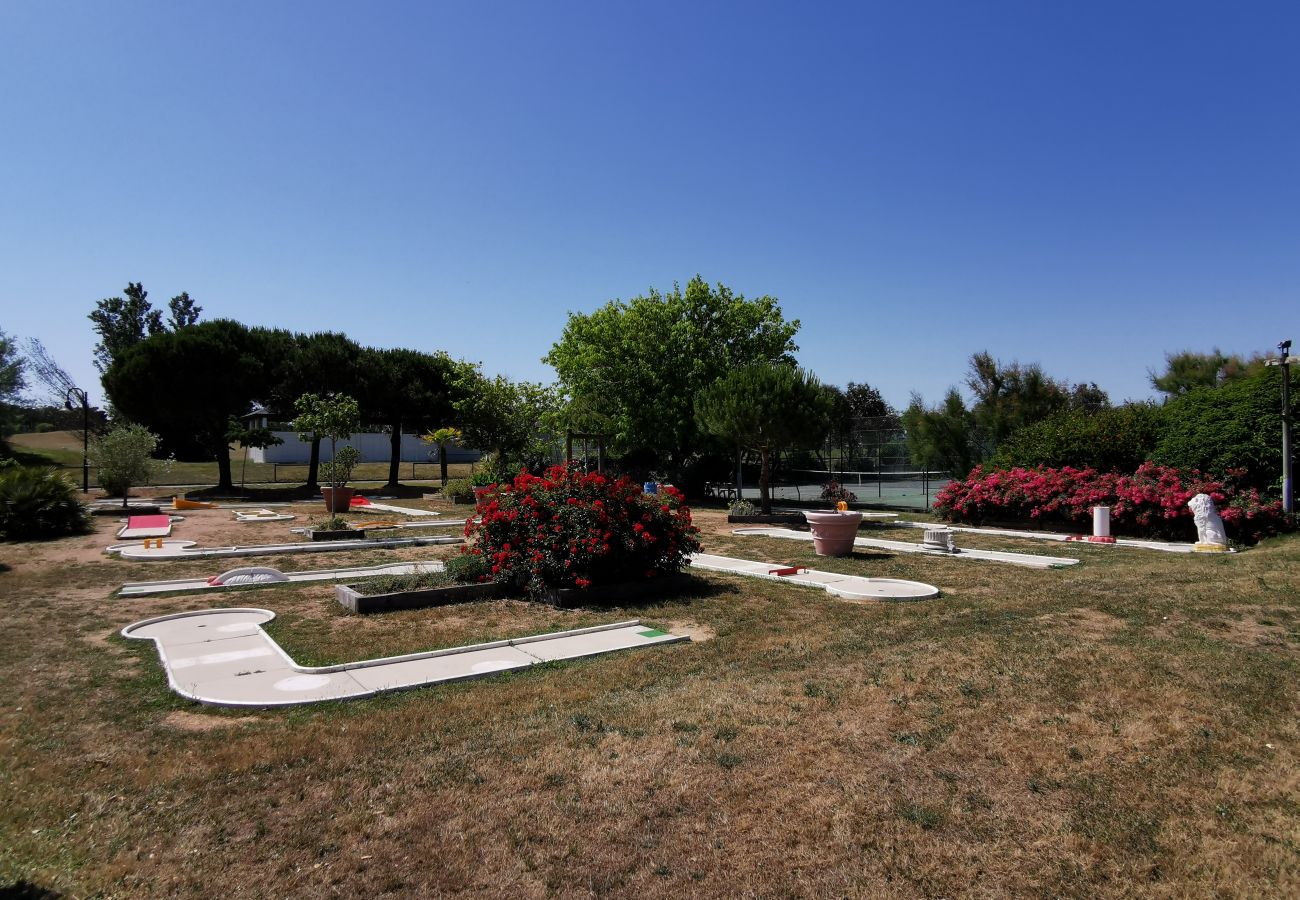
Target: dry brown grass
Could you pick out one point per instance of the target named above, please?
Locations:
(1124, 727)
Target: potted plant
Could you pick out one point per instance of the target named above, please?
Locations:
(834, 530)
(337, 417)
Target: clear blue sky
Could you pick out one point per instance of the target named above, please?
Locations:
(1083, 185)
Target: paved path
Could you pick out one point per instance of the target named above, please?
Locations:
(223, 657)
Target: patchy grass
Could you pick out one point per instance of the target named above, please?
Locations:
(1125, 726)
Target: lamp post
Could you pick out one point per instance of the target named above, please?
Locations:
(1288, 485)
(84, 400)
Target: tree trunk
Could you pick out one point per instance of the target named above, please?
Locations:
(313, 466)
(224, 479)
(740, 472)
(442, 463)
(395, 455)
(765, 475)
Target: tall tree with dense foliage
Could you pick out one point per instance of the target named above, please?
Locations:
(509, 418)
(185, 385)
(943, 437)
(326, 362)
(638, 365)
(122, 322)
(406, 390)
(765, 408)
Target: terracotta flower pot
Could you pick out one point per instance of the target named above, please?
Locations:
(833, 532)
(337, 500)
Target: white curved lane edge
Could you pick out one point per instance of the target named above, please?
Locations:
(223, 657)
(846, 587)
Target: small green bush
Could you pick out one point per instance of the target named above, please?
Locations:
(458, 490)
(37, 503)
(742, 508)
(393, 584)
(467, 568)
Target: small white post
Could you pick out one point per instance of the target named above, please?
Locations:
(1101, 521)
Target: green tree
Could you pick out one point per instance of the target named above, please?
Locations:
(440, 438)
(406, 390)
(123, 322)
(510, 418)
(765, 408)
(637, 366)
(12, 381)
(249, 436)
(1115, 439)
(182, 311)
(1010, 396)
(322, 362)
(945, 437)
(336, 417)
(124, 456)
(185, 385)
(1236, 426)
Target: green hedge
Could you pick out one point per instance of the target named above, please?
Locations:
(1118, 439)
(1236, 426)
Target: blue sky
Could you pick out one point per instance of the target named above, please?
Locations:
(1083, 185)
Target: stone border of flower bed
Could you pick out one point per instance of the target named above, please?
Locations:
(421, 598)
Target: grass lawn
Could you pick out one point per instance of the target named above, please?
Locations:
(1126, 726)
(63, 448)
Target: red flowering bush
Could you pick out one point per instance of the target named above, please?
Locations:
(1152, 502)
(567, 529)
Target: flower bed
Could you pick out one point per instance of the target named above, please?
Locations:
(570, 530)
(1152, 502)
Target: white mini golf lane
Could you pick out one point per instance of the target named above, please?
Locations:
(259, 576)
(846, 587)
(174, 549)
(1030, 560)
(223, 657)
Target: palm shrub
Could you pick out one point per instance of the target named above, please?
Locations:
(567, 529)
(37, 502)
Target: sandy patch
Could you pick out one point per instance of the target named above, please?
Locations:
(188, 721)
(1085, 623)
(696, 632)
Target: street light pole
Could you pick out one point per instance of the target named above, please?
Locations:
(1288, 485)
(84, 399)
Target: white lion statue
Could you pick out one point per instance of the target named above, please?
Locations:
(1209, 525)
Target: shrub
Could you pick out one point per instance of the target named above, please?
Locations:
(458, 490)
(567, 529)
(1152, 502)
(742, 508)
(36, 502)
(1117, 439)
(1237, 425)
(467, 568)
(124, 456)
(833, 490)
(392, 584)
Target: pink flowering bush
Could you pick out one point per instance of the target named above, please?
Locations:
(1152, 502)
(570, 530)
